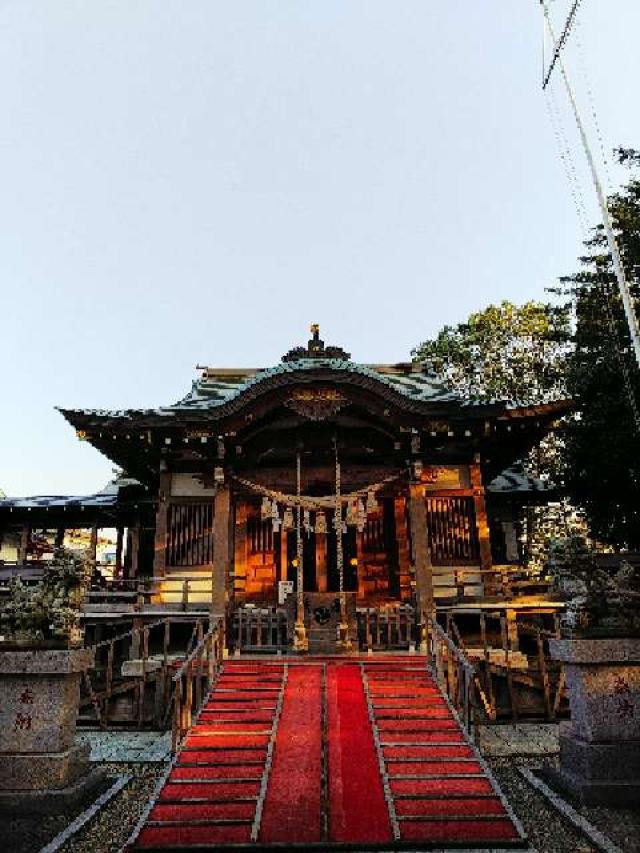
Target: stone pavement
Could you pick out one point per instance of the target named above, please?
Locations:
(520, 739)
(134, 747)
(126, 746)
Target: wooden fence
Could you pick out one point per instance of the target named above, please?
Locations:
(261, 629)
(386, 628)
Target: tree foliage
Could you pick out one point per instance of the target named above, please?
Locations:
(504, 352)
(603, 444)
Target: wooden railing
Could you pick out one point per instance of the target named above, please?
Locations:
(506, 685)
(261, 629)
(105, 683)
(195, 678)
(458, 678)
(184, 593)
(386, 628)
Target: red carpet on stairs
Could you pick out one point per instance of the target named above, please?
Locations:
(292, 809)
(327, 751)
(439, 791)
(357, 808)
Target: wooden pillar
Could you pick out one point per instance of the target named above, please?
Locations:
(59, 540)
(134, 549)
(404, 555)
(482, 523)
(321, 561)
(119, 542)
(93, 544)
(512, 630)
(360, 564)
(220, 569)
(284, 555)
(240, 548)
(24, 543)
(421, 555)
(160, 549)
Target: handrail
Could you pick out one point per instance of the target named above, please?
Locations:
(130, 633)
(457, 677)
(190, 678)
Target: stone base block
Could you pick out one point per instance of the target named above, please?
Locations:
(54, 801)
(605, 773)
(606, 761)
(43, 770)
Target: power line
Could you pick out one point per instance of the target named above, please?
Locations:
(623, 287)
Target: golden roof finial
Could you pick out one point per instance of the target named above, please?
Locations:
(315, 330)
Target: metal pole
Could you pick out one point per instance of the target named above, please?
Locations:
(623, 287)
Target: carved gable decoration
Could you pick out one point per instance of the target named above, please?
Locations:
(316, 404)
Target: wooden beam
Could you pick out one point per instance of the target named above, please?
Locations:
(93, 544)
(240, 547)
(284, 555)
(24, 543)
(421, 554)
(160, 549)
(321, 561)
(402, 542)
(221, 552)
(119, 543)
(134, 550)
(360, 564)
(482, 522)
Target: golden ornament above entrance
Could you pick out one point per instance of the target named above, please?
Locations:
(316, 404)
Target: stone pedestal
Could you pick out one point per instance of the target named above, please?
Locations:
(600, 748)
(39, 763)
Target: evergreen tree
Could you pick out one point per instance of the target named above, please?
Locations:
(602, 443)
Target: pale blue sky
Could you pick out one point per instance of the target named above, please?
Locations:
(195, 182)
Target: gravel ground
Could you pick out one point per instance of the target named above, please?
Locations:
(548, 831)
(622, 826)
(105, 833)
(110, 828)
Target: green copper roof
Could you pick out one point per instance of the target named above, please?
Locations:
(212, 390)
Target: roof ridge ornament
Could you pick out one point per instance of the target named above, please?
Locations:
(316, 349)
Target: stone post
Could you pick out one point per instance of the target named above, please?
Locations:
(41, 768)
(600, 747)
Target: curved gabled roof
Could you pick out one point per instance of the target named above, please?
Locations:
(213, 389)
(221, 392)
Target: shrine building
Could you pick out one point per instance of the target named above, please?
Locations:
(310, 491)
